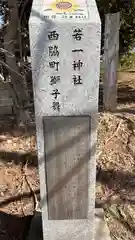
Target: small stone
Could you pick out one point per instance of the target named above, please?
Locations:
(2, 194)
(3, 137)
(9, 141)
(3, 188)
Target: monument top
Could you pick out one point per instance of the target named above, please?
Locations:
(65, 48)
(66, 10)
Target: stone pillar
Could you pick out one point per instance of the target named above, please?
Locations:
(65, 51)
(111, 54)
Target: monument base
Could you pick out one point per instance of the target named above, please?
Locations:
(69, 229)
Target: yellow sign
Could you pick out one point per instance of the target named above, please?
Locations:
(64, 6)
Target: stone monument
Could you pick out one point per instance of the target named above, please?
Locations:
(65, 51)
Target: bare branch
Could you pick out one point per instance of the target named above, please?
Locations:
(5, 51)
(2, 78)
(10, 69)
(115, 133)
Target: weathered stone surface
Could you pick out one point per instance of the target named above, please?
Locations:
(69, 50)
(67, 148)
(111, 47)
(66, 230)
(65, 50)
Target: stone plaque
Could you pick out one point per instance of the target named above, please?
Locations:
(67, 148)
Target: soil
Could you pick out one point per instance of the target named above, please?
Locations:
(115, 169)
(116, 161)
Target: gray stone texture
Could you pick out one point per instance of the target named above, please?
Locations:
(68, 230)
(111, 53)
(73, 99)
(66, 135)
(67, 148)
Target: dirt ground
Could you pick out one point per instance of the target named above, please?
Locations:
(116, 162)
(19, 180)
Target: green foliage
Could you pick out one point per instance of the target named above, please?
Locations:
(127, 10)
(128, 62)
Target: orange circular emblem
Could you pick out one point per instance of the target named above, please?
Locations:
(64, 5)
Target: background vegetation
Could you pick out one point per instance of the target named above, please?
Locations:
(127, 10)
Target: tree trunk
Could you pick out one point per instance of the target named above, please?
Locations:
(17, 85)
